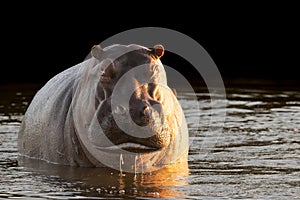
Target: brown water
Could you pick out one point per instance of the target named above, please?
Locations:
(256, 155)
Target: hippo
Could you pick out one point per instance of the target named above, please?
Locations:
(114, 110)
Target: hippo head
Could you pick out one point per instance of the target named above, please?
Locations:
(129, 109)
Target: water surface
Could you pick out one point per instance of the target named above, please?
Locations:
(256, 154)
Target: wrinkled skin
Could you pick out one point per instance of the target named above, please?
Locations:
(115, 105)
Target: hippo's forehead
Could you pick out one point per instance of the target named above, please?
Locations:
(136, 64)
(116, 51)
(134, 58)
(123, 48)
(125, 58)
(130, 54)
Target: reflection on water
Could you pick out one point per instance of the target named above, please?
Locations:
(256, 156)
(105, 181)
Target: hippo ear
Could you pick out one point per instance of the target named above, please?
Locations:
(96, 51)
(174, 91)
(158, 50)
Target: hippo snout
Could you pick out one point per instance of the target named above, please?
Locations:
(145, 112)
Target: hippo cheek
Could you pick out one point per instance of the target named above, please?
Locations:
(102, 124)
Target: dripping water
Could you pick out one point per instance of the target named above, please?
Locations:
(121, 163)
(141, 158)
(150, 172)
(135, 170)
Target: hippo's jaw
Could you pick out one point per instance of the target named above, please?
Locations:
(129, 147)
(120, 142)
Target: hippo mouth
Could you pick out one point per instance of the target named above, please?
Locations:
(130, 147)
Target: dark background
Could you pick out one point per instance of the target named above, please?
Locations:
(257, 43)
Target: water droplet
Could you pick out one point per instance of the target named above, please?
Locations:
(98, 190)
(156, 194)
(121, 163)
(121, 191)
(142, 162)
(134, 190)
(136, 157)
(150, 172)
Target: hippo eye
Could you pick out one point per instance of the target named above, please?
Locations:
(107, 72)
(151, 88)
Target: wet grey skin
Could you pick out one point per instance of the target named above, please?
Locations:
(116, 103)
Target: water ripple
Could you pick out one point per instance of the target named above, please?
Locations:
(253, 154)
